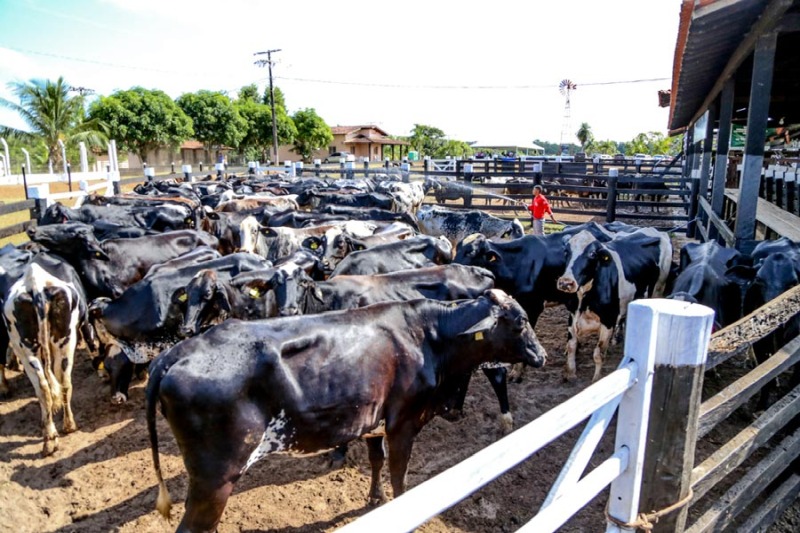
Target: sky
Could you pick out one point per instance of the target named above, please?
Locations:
(478, 70)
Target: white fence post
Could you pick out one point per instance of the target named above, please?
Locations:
(677, 334)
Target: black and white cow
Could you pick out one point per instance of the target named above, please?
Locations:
(305, 384)
(455, 225)
(43, 312)
(606, 277)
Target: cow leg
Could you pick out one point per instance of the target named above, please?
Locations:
(120, 371)
(401, 441)
(453, 406)
(497, 379)
(4, 388)
(63, 369)
(377, 455)
(570, 371)
(337, 457)
(204, 506)
(603, 340)
(36, 374)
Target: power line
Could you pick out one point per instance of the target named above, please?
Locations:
(338, 82)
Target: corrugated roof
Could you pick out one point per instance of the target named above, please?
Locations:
(709, 33)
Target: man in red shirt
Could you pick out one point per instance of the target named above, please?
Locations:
(539, 207)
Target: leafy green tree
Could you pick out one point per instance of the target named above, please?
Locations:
(585, 136)
(52, 115)
(312, 133)
(555, 148)
(452, 148)
(258, 130)
(427, 140)
(280, 99)
(215, 119)
(607, 147)
(652, 142)
(248, 93)
(142, 120)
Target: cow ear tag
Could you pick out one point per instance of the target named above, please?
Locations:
(478, 335)
(254, 293)
(98, 254)
(101, 366)
(182, 297)
(314, 246)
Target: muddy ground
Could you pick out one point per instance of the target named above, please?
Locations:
(101, 478)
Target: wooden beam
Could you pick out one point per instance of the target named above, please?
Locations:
(718, 226)
(766, 22)
(780, 221)
(757, 115)
(738, 338)
(16, 229)
(721, 162)
(733, 453)
(721, 405)
(6, 209)
(708, 142)
(775, 505)
(726, 508)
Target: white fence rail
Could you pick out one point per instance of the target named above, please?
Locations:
(648, 335)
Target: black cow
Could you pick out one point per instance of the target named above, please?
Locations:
(414, 252)
(107, 268)
(309, 383)
(776, 269)
(606, 277)
(703, 279)
(13, 262)
(164, 217)
(148, 316)
(526, 268)
(318, 200)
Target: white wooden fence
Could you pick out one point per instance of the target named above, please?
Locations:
(650, 331)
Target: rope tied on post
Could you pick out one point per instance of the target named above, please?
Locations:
(646, 521)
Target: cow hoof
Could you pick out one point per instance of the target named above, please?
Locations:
(50, 446)
(570, 378)
(103, 374)
(506, 423)
(69, 427)
(516, 373)
(143, 375)
(374, 501)
(118, 398)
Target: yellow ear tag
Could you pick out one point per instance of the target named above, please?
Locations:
(182, 297)
(479, 336)
(101, 366)
(254, 293)
(98, 254)
(314, 246)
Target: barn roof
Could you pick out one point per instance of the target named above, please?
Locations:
(709, 34)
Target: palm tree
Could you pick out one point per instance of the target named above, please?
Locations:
(52, 115)
(585, 135)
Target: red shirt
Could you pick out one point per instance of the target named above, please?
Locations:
(539, 207)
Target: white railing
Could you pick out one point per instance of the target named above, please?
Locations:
(648, 336)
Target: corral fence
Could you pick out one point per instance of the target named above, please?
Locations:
(653, 475)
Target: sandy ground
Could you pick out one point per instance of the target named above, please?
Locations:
(101, 478)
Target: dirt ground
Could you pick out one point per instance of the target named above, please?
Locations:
(101, 478)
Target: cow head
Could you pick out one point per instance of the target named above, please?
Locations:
(291, 291)
(505, 331)
(514, 231)
(584, 256)
(771, 277)
(207, 303)
(477, 250)
(72, 239)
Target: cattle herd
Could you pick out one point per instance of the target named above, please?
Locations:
(277, 314)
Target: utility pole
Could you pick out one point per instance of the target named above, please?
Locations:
(268, 62)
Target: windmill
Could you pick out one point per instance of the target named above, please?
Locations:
(565, 88)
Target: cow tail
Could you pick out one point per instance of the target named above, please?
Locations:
(46, 354)
(158, 369)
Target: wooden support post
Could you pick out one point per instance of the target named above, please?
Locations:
(611, 205)
(779, 191)
(674, 409)
(757, 112)
(705, 163)
(769, 189)
(366, 168)
(691, 228)
(791, 196)
(426, 167)
(675, 336)
(723, 146)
